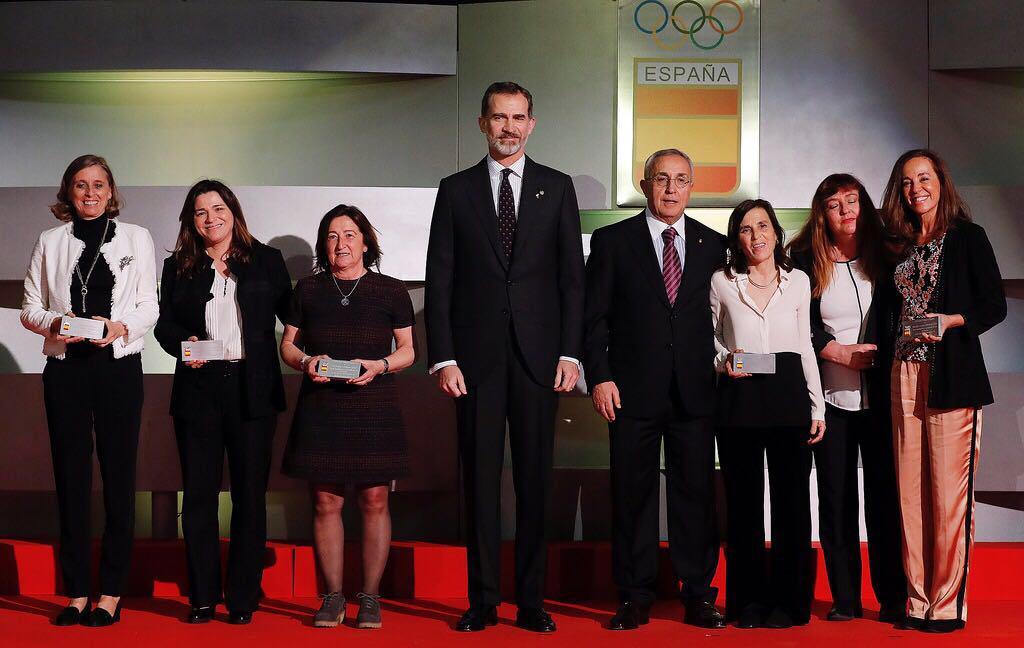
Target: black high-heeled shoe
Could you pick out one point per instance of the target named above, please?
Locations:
(71, 615)
(100, 618)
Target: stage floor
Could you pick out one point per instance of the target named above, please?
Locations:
(156, 623)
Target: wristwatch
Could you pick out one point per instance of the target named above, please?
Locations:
(387, 365)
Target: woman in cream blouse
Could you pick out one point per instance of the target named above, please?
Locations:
(760, 304)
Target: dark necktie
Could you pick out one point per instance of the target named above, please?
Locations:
(506, 213)
(671, 269)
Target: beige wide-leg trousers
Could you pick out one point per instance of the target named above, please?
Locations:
(936, 459)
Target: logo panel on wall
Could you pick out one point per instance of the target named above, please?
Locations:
(688, 75)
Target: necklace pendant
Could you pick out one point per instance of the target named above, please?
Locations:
(85, 291)
(344, 301)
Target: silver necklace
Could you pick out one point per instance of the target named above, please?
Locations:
(344, 297)
(767, 285)
(78, 270)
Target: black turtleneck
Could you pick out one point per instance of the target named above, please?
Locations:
(101, 282)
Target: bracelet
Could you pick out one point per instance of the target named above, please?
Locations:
(305, 359)
(387, 365)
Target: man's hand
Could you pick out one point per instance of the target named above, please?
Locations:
(566, 375)
(451, 382)
(606, 400)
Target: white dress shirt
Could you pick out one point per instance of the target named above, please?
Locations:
(844, 311)
(515, 179)
(657, 228)
(223, 318)
(784, 325)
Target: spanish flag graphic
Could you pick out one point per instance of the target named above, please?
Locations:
(693, 105)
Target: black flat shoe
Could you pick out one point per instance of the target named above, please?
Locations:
(750, 617)
(910, 623)
(535, 620)
(629, 616)
(239, 618)
(200, 614)
(778, 619)
(100, 618)
(843, 613)
(703, 615)
(942, 626)
(71, 615)
(477, 618)
(892, 613)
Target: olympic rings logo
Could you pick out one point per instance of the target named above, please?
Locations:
(691, 28)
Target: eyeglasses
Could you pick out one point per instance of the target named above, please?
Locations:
(663, 180)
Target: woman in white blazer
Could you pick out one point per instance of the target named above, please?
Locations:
(92, 265)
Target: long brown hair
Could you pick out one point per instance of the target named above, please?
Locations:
(190, 249)
(902, 224)
(737, 263)
(63, 209)
(815, 237)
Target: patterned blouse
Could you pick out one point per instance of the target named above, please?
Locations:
(916, 279)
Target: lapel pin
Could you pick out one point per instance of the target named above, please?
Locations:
(700, 240)
(540, 193)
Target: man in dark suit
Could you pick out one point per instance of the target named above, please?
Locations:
(649, 364)
(504, 314)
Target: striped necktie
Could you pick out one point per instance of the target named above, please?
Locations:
(671, 269)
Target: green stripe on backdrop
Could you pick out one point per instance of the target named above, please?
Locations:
(715, 218)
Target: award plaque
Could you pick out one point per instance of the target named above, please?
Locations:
(202, 350)
(344, 369)
(915, 328)
(753, 363)
(84, 327)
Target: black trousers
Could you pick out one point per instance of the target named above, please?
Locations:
(202, 442)
(750, 582)
(82, 396)
(635, 445)
(839, 525)
(509, 394)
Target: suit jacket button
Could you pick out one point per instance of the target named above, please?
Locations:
(668, 346)
(504, 311)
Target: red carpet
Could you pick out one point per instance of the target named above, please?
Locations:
(155, 623)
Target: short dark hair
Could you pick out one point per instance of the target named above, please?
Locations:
(737, 263)
(190, 249)
(372, 255)
(505, 87)
(63, 209)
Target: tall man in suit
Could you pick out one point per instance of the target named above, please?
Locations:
(504, 314)
(649, 363)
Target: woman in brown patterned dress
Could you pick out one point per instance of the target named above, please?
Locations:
(349, 432)
(945, 270)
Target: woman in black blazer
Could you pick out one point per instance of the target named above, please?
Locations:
(840, 249)
(946, 270)
(222, 284)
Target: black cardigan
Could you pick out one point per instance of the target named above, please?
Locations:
(970, 285)
(264, 291)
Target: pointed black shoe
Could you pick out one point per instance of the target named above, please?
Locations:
(629, 616)
(100, 618)
(750, 617)
(910, 623)
(843, 613)
(477, 618)
(239, 618)
(703, 615)
(892, 613)
(778, 619)
(201, 614)
(535, 620)
(71, 615)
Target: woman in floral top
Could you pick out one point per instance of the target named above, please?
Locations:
(945, 269)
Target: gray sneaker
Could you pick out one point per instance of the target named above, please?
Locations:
(331, 612)
(369, 610)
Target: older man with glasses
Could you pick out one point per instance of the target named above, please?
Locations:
(649, 361)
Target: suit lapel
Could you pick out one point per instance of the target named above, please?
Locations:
(529, 199)
(483, 203)
(693, 247)
(640, 238)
